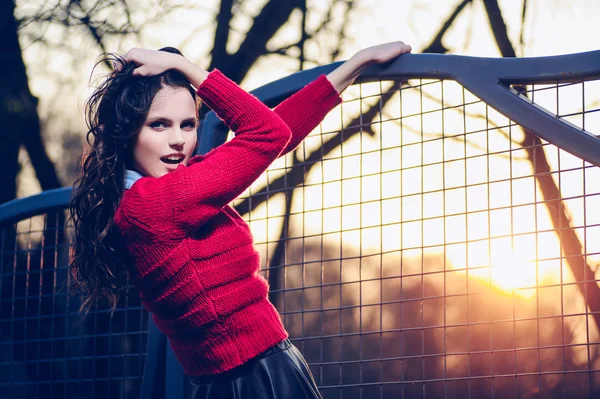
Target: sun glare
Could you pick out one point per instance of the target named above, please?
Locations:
(513, 271)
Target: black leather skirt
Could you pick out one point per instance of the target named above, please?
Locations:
(279, 372)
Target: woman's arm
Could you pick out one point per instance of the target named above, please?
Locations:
(304, 110)
(232, 167)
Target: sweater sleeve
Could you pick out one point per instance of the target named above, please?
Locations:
(189, 196)
(304, 110)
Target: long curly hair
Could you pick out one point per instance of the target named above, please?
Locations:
(115, 114)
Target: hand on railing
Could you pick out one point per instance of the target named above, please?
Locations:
(344, 75)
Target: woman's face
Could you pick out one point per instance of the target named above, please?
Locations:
(168, 135)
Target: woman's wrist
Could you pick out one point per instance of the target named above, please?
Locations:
(345, 74)
(362, 60)
(191, 71)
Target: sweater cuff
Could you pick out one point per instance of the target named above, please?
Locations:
(324, 90)
(308, 107)
(316, 99)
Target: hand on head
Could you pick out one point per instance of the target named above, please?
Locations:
(149, 62)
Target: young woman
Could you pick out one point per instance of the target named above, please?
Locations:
(146, 208)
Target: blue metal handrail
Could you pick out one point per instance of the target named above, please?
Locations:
(487, 78)
(23, 208)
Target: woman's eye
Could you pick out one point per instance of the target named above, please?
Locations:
(157, 125)
(189, 126)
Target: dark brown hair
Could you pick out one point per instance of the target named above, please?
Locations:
(115, 113)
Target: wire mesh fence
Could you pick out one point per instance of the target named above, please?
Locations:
(418, 244)
(48, 349)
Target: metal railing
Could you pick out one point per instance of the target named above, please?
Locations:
(418, 243)
(47, 348)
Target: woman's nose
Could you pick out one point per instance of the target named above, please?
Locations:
(176, 138)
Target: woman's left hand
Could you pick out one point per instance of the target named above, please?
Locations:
(344, 75)
(384, 52)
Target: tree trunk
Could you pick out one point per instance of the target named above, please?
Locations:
(18, 114)
(10, 107)
(570, 245)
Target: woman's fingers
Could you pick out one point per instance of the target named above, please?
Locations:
(121, 60)
(117, 64)
(386, 52)
(149, 62)
(145, 70)
(139, 71)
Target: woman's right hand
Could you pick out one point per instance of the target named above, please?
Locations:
(150, 62)
(154, 62)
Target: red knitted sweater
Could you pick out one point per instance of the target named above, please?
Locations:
(193, 259)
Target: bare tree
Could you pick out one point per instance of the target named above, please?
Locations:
(264, 27)
(570, 245)
(296, 176)
(99, 21)
(18, 113)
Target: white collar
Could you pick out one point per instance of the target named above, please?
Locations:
(131, 176)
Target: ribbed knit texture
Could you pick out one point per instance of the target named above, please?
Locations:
(193, 259)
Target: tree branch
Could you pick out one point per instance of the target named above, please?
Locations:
(523, 18)
(219, 55)
(273, 15)
(436, 46)
(499, 28)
